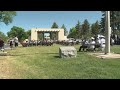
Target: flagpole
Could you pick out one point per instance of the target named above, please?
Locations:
(107, 32)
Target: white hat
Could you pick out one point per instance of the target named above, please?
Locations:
(92, 38)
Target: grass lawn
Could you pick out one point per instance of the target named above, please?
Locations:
(43, 62)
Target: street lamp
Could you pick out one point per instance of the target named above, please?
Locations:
(107, 32)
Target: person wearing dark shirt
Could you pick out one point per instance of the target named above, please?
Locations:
(1, 44)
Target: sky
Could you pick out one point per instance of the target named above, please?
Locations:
(44, 19)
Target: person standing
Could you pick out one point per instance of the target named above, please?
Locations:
(84, 45)
(11, 43)
(1, 45)
(16, 41)
(92, 44)
(102, 43)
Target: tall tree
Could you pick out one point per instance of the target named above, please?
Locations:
(95, 28)
(7, 16)
(54, 25)
(54, 34)
(86, 29)
(114, 21)
(3, 36)
(28, 33)
(102, 24)
(78, 29)
(73, 29)
(17, 31)
(72, 33)
(65, 30)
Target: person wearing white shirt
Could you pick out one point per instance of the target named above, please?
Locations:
(84, 45)
(92, 44)
(16, 41)
(102, 44)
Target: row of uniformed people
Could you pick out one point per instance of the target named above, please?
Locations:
(93, 44)
(37, 42)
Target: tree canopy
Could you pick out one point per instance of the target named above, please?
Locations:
(114, 22)
(86, 29)
(72, 33)
(28, 33)
(7, 16)
(17, 31)
(78, 29)
(3, 36)
(54, 25)
(95, 28)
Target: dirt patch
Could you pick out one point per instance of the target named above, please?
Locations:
(103, 55)
(6, 69)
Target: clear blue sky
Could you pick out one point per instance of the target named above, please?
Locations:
(45, 19)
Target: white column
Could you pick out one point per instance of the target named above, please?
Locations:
(107, 32)
(33, 34)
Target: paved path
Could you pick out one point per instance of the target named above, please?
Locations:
(7, 46)
(103, 55)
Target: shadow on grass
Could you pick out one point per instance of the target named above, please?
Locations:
(50, 53)
(53, 53)
(57, 56)
(22, 54)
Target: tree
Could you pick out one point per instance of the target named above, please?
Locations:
(72, 33)
(28, 33)
(102, 25)
(3, 36)
(73, 29)
(7, 16)
(40, 36)
(78, 29)
(114, 21)
(17, 31)
(54, 25)
(65, 30)
(95, 28)
(86, 29)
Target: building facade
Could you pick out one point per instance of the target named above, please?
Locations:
(58, 32)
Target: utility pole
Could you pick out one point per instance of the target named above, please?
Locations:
(107, 32)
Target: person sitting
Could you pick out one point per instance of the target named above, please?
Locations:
(92, 44)
(97, 43)
(102, 46)
(111, 41)
(84, 45)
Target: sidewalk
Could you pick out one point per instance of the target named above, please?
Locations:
(7, 46)
(103, 55)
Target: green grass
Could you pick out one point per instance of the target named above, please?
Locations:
(43, 62)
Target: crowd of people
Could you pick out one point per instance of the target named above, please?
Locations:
(27, 43)
(13, 42)
(87, 44)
